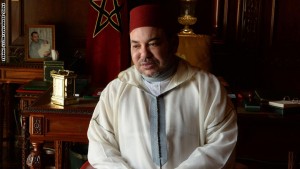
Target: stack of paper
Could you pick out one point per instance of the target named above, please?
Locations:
(285, 104)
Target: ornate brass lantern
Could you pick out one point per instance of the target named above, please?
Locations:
(187, 15)
(63, 87)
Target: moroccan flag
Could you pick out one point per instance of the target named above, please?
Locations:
(107, 40)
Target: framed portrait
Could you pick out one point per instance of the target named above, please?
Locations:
(39, 40)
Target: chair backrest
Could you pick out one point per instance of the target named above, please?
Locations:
(86, 165)
(196, 49)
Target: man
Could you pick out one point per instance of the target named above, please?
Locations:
(161, 112)
(39, 48)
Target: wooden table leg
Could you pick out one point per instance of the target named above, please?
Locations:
(34, 160)
(58, 154)
(1, 117)
(291, 160)
(25, 141)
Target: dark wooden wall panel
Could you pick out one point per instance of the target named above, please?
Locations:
(70, 20)
(255, 42)
(261, 48)
(281, 61)
(68, 15)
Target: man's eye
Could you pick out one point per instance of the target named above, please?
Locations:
(135, 46)
(153, 44)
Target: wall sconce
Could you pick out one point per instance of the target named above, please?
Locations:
(187, 15)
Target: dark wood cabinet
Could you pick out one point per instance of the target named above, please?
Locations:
(11, 77)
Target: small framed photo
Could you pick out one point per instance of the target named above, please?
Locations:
(39, 40)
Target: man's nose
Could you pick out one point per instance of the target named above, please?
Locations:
(144, 51)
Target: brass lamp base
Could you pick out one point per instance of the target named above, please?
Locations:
(187, 31)
(187, 20)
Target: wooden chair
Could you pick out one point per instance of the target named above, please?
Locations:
(196, 49)
(240, 166)
(86, 165)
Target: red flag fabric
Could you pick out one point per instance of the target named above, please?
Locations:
(107, 50)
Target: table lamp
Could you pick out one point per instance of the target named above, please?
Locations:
(187, 15)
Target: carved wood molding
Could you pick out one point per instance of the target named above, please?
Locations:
(20, 74)
(255, 22)
(34, 158)
(219, 20)
(16, 54)
(251, 18)
(37, 123)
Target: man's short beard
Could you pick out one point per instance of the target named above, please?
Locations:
(155, 75)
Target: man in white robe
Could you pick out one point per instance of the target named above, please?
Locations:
(161, 113)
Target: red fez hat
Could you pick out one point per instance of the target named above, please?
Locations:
(146, 15)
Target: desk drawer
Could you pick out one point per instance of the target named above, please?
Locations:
(64, 127)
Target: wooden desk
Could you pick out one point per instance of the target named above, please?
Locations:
(263, 136)
(49, 122)
(268, 137)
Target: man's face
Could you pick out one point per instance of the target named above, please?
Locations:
(150, 50)
(35, 37)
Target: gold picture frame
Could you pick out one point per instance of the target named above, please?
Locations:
(39, 40)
